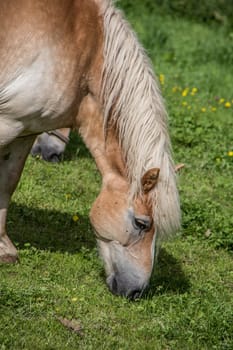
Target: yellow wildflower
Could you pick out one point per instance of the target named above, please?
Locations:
(230, 153)
(185, 92)
(162, 79)
(213, 109)
(75, 218)
(194, 91)
(221, 100)
(227, 104)
(184, 103)
(203, 109)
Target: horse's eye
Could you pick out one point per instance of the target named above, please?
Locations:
(142, 223)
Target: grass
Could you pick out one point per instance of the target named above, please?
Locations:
(182, 310)
(189, 304)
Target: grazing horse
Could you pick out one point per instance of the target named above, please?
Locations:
(51, 145)
(78, 64)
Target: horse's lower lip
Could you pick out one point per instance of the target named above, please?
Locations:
(131, 294)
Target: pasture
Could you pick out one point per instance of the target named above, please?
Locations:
(189, 304)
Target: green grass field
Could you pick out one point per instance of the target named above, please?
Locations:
(190, 301)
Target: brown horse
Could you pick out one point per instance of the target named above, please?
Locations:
(78, 64)
(51, 145)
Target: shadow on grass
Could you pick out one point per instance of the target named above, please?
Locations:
(75, 148)
(49, 229)
(168, 277)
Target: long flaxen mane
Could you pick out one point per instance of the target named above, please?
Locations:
(130, 86)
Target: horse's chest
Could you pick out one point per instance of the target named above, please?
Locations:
(40, 87)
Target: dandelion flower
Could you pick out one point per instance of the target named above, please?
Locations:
(213, 109)
(203, 109)
(185, 92)
(227, 104)
(221, 100)
(230, 153)
(75, 218)
(194, 91)
(162, 79)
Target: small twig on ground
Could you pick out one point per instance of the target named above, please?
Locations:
(73, 325)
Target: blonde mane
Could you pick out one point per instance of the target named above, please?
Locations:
(132, 99)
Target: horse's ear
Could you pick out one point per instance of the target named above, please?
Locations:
(178, 167)
(150, 179)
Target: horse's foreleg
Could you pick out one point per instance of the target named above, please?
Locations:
(12, 159)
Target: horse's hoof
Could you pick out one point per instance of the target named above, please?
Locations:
(9, 259)
(8, 252)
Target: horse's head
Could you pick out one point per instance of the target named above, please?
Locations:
(125, 233)
(51, 145)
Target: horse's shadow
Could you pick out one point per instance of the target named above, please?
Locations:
(49, 229)
(168, 276)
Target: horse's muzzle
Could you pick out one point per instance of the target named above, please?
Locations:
(127, 289)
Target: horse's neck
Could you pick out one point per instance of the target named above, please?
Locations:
(104, 148)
